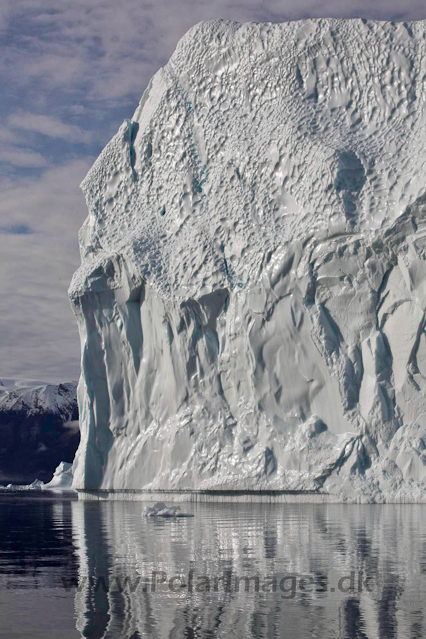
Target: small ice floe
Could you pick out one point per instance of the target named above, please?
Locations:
(161, 510)
(36, 485)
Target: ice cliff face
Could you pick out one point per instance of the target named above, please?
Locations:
(252, 289)
(38, 429)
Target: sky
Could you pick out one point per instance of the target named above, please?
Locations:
(71, 71)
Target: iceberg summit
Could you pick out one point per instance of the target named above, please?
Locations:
(251, 295)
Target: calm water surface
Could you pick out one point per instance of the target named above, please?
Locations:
(87, 569)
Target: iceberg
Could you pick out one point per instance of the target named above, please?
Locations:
(251, 295)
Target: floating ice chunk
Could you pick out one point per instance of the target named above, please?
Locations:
(161, 510)
(37, 484)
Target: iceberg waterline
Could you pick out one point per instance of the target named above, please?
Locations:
(252, 288)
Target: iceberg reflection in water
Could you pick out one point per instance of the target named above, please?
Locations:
(313, 571)
(102, 570)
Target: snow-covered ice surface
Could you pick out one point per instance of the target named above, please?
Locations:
(252, 288)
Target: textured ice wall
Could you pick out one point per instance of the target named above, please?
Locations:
(252, 288)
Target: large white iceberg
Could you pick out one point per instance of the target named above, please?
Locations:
(252, 288)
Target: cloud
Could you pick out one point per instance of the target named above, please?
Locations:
(14, 150)
(16, 229)
(39, 253)
(22, 157)
(48, 125)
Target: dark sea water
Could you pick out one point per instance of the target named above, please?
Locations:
(88, 569)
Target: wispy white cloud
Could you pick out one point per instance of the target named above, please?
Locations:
(39, 221)
(48, 125)
(21, 157)
(19, 146)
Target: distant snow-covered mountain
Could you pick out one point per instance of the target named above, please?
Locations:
(38, 429)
